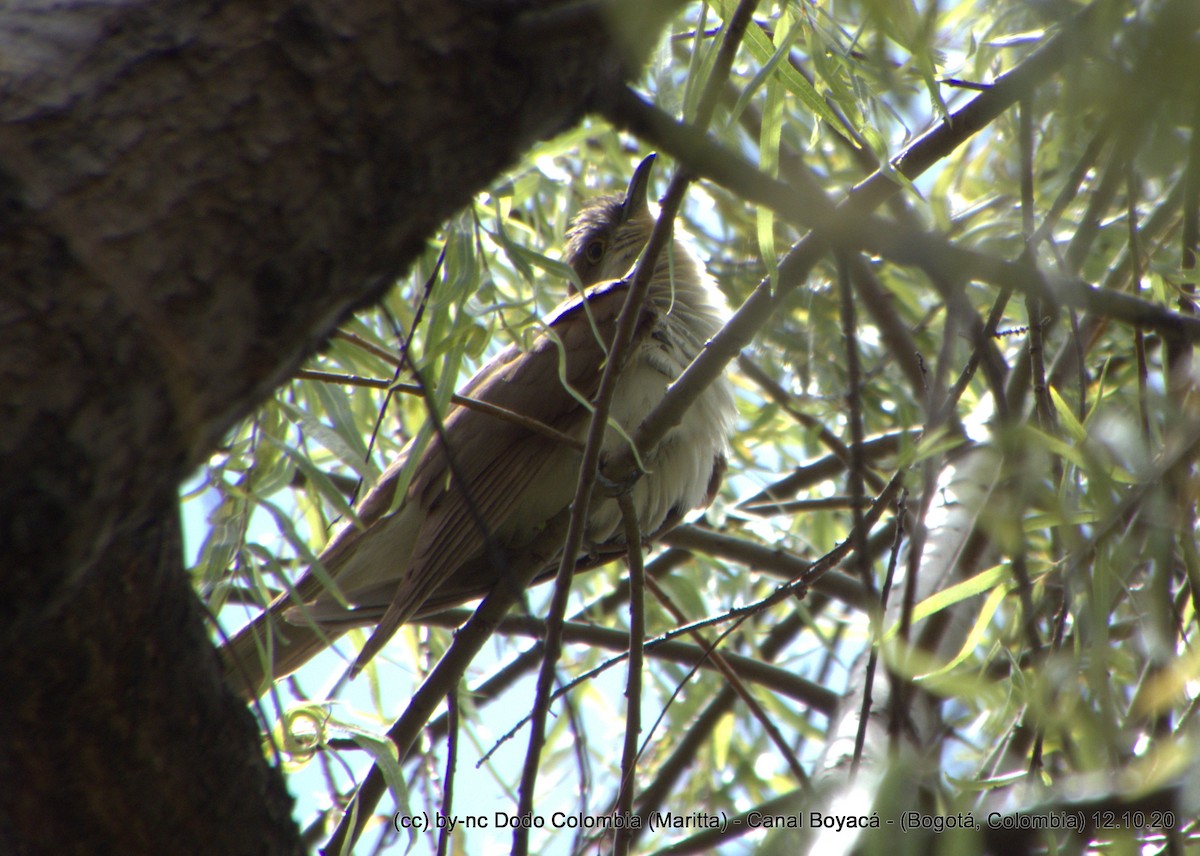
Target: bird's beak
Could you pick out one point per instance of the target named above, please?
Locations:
(635, 204)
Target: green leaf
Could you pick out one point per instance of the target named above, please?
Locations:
(772, 129)
(974, 637)
(785, 38)
(318, 478)
(341, 438)
(761, 48)
(984, 581)
(1067, 418)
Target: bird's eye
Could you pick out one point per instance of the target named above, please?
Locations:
(594, 251)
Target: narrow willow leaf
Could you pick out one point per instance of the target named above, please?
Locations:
(987, 580)
(978, 631)
(346, 443)
(1067, 418)
(762, 49)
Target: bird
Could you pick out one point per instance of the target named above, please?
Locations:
(485, 483)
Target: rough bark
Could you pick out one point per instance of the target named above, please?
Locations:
(192, 195)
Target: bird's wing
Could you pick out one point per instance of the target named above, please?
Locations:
(494, 384)
(502, 462)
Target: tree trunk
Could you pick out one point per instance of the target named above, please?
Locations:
(192, 195)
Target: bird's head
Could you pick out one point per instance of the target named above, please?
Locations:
(609, 232)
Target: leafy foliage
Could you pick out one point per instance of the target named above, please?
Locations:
(998, 447)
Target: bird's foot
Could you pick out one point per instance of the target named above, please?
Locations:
(618, 486)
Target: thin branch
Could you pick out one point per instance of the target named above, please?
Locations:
(854, 475)
(342, 379)
(622, 341)
(736, 684)
(1153, 232)
(915, 548)
(828, 467)
(1139, 338)
(668, 648)
(633, 683)
(699, 731)
(622, 338)
(773, 560)
(850, 221)
(862, 565)
(784, 399)
(443, 844)
(879, 303)
(467, 643)
(490, 409)
(1070, 189)
(370, 347)
(1179, 354)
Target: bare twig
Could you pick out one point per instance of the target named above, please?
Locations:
(370, 347)
(443, 844)
(735, 683)
(490, 409)
(588, 469)
(633, 683)
(850, 226)
(622, 341)
(468, 641)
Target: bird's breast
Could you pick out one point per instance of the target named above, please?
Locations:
(680, 473)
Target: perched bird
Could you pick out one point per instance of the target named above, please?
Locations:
(432, 551)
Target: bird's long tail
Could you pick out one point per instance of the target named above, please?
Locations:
(271, 647)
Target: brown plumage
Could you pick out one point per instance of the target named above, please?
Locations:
(431, 552)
